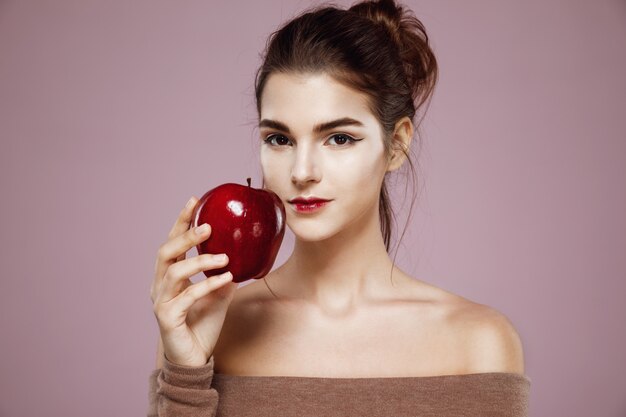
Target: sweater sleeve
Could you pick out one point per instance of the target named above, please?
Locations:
(182, 391)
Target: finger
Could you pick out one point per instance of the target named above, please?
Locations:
(193, 293)
(180, 226)
(171, 250)
(154, 290)
(174, 250)
(184, 218)
(171, 253)
(177, 276)
(227, 291)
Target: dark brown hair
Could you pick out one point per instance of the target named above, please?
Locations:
(378, 48)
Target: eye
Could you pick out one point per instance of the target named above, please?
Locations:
(280, 138)
(343, 139)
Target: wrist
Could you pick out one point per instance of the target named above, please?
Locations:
(160, 354)
(186, 364)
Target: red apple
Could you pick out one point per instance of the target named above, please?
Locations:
(247, 224)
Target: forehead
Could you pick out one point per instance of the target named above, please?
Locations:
(311, 98)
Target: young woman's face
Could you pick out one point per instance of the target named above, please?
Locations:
(298, 160)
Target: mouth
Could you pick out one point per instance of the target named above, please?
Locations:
(307, 201)
(308, 206)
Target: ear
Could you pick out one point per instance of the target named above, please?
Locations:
(401, 139)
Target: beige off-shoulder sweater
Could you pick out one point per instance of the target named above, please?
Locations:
(183, 391)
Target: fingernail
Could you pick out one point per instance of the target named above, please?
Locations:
(221, 258)
(202, 229)
(226, 275)
(190, 203)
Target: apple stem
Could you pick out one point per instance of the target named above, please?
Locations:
(249, 181)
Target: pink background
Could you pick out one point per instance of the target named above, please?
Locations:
(113, 113)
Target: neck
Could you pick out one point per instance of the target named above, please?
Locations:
(343, 271)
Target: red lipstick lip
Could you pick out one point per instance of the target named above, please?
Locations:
(309, 207)
(312, 200)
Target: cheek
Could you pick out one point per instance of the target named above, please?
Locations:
(362, 165)
(358, 178)
(273, 169)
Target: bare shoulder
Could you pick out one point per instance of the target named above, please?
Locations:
(459, 335)
(491, 342)
(486, 339)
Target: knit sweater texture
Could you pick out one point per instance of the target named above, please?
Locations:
(182, 391)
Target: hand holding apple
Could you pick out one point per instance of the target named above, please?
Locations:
(190, 316)
(247, 224)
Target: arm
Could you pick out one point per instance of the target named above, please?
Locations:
(182, 391)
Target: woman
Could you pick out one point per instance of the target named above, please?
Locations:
(337, 329)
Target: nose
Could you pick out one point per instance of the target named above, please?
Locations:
(305, 168)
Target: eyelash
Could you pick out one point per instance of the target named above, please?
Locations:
(350, 139)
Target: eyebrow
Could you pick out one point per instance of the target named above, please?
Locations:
(322, 127)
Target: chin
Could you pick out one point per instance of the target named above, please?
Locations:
(311, 233)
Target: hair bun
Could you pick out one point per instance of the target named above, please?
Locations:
(411, 40)
(383, 12)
